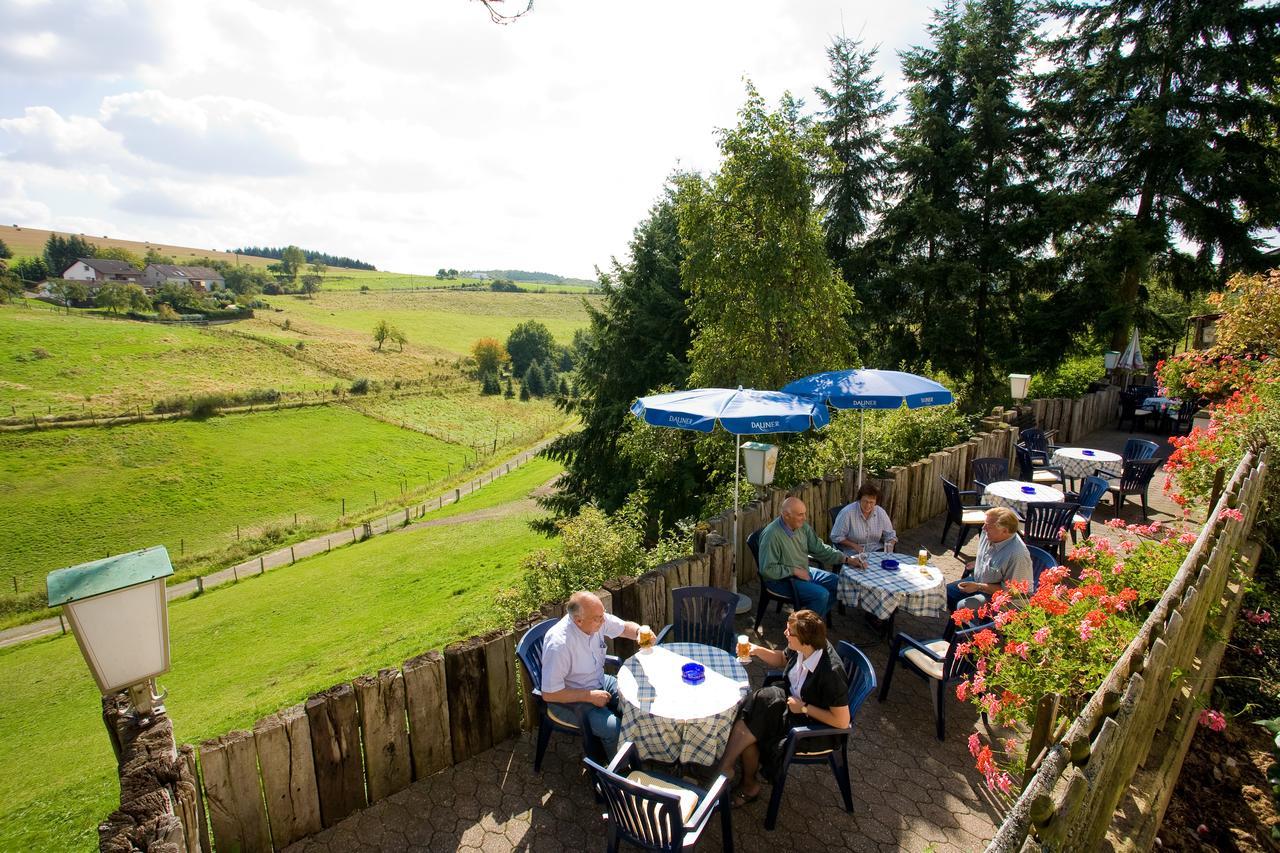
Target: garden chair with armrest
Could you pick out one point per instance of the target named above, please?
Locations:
(935, 661)
(964, 517)
(553, 719)
(862, 683)
(1092, 489)
(1046, 475)
(1135, 479)
(1040, 560)
(1046, 525)
(658, 812)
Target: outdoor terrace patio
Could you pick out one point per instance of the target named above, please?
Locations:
(910, 791)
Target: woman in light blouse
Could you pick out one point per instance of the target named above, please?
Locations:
(863, 522)
(816, 691)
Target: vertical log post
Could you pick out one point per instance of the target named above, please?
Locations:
(504, 697)
(428, 709)
(236, 809)
(334, 722)
(283, 741)
(470, 728)
(388, 765)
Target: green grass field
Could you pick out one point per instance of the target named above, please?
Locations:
(446, 320)
(52, 360)
(245, 650)
(71, 495)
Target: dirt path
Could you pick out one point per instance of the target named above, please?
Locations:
(289, 555)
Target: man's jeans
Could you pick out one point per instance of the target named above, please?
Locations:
(815, 594)
(604, 721)
(958, 599)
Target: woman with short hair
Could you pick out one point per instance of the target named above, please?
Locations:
(863, 523)
(816, 691)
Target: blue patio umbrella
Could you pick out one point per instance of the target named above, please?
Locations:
(739, 411)
(870, 389)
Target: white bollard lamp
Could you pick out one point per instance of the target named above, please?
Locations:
(760, 460)
(1018, 383)
(120, 616)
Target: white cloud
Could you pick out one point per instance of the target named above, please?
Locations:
(410, 134)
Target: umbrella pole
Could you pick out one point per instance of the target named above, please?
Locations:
(744, 603)
(861, 431)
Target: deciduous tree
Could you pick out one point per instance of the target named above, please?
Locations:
(766, 304)
(528, 342)
(490, 356)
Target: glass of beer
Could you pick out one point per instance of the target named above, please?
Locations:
(645, 637)
(744, 649)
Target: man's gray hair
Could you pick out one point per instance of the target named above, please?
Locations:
(574, 606)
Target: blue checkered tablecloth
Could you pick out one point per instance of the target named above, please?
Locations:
(881, 592)
(1079, 462)
(674, 722)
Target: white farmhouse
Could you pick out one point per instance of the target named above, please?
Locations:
(99, 270)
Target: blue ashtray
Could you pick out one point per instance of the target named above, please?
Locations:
(889, 565)
(1028, 490)
(693, 673)
(1088, 453)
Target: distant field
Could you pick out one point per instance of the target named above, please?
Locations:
(71, 495)
(243, 651)
(29, 242)
(49, 359)
(345, 279)
(470, 420)
(444, 320)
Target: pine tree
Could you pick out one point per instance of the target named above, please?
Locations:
(1165, 108)
(855, 178)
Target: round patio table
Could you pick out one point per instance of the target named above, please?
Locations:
(1013, 494)
(1160, 404)
(674, 722)
(1077, 462)
(916, 589)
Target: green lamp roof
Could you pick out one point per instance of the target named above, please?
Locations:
(123, 570)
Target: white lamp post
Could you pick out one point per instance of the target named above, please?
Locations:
(1109, 359)
(760, 460)
(1018, 385)
(120, 616)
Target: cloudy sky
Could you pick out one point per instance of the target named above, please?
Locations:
(412, 135)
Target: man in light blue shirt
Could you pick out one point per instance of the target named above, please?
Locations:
(573, 676)
(1002, 557)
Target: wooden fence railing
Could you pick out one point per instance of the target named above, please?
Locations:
(1074, 419)
(310, 766)
(1147, 706)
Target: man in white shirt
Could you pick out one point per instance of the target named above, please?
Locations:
(1002, 557)
(573, 656)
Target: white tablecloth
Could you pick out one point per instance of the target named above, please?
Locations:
(881, 592)
(1010, 493)
(671, 721)
(1077, 462)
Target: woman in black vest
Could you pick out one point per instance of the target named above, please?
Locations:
(816, 691)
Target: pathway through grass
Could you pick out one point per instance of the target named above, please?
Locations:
(242, 651)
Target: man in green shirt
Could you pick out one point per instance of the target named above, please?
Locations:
(786, 545)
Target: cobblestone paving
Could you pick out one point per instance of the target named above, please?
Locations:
(910, 791)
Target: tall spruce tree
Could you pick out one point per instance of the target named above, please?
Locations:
(853, 122)
(639, 341)
(1167, 109)
(921, 224)
(965, 234)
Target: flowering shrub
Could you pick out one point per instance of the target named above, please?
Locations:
(1198, 373)
(1251, 415)
(1213, 720)
(1064, 638)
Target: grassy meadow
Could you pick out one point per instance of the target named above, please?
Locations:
(53, 361)
(71, 495)
(245, 650)
(446, 320)
(29, 242)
